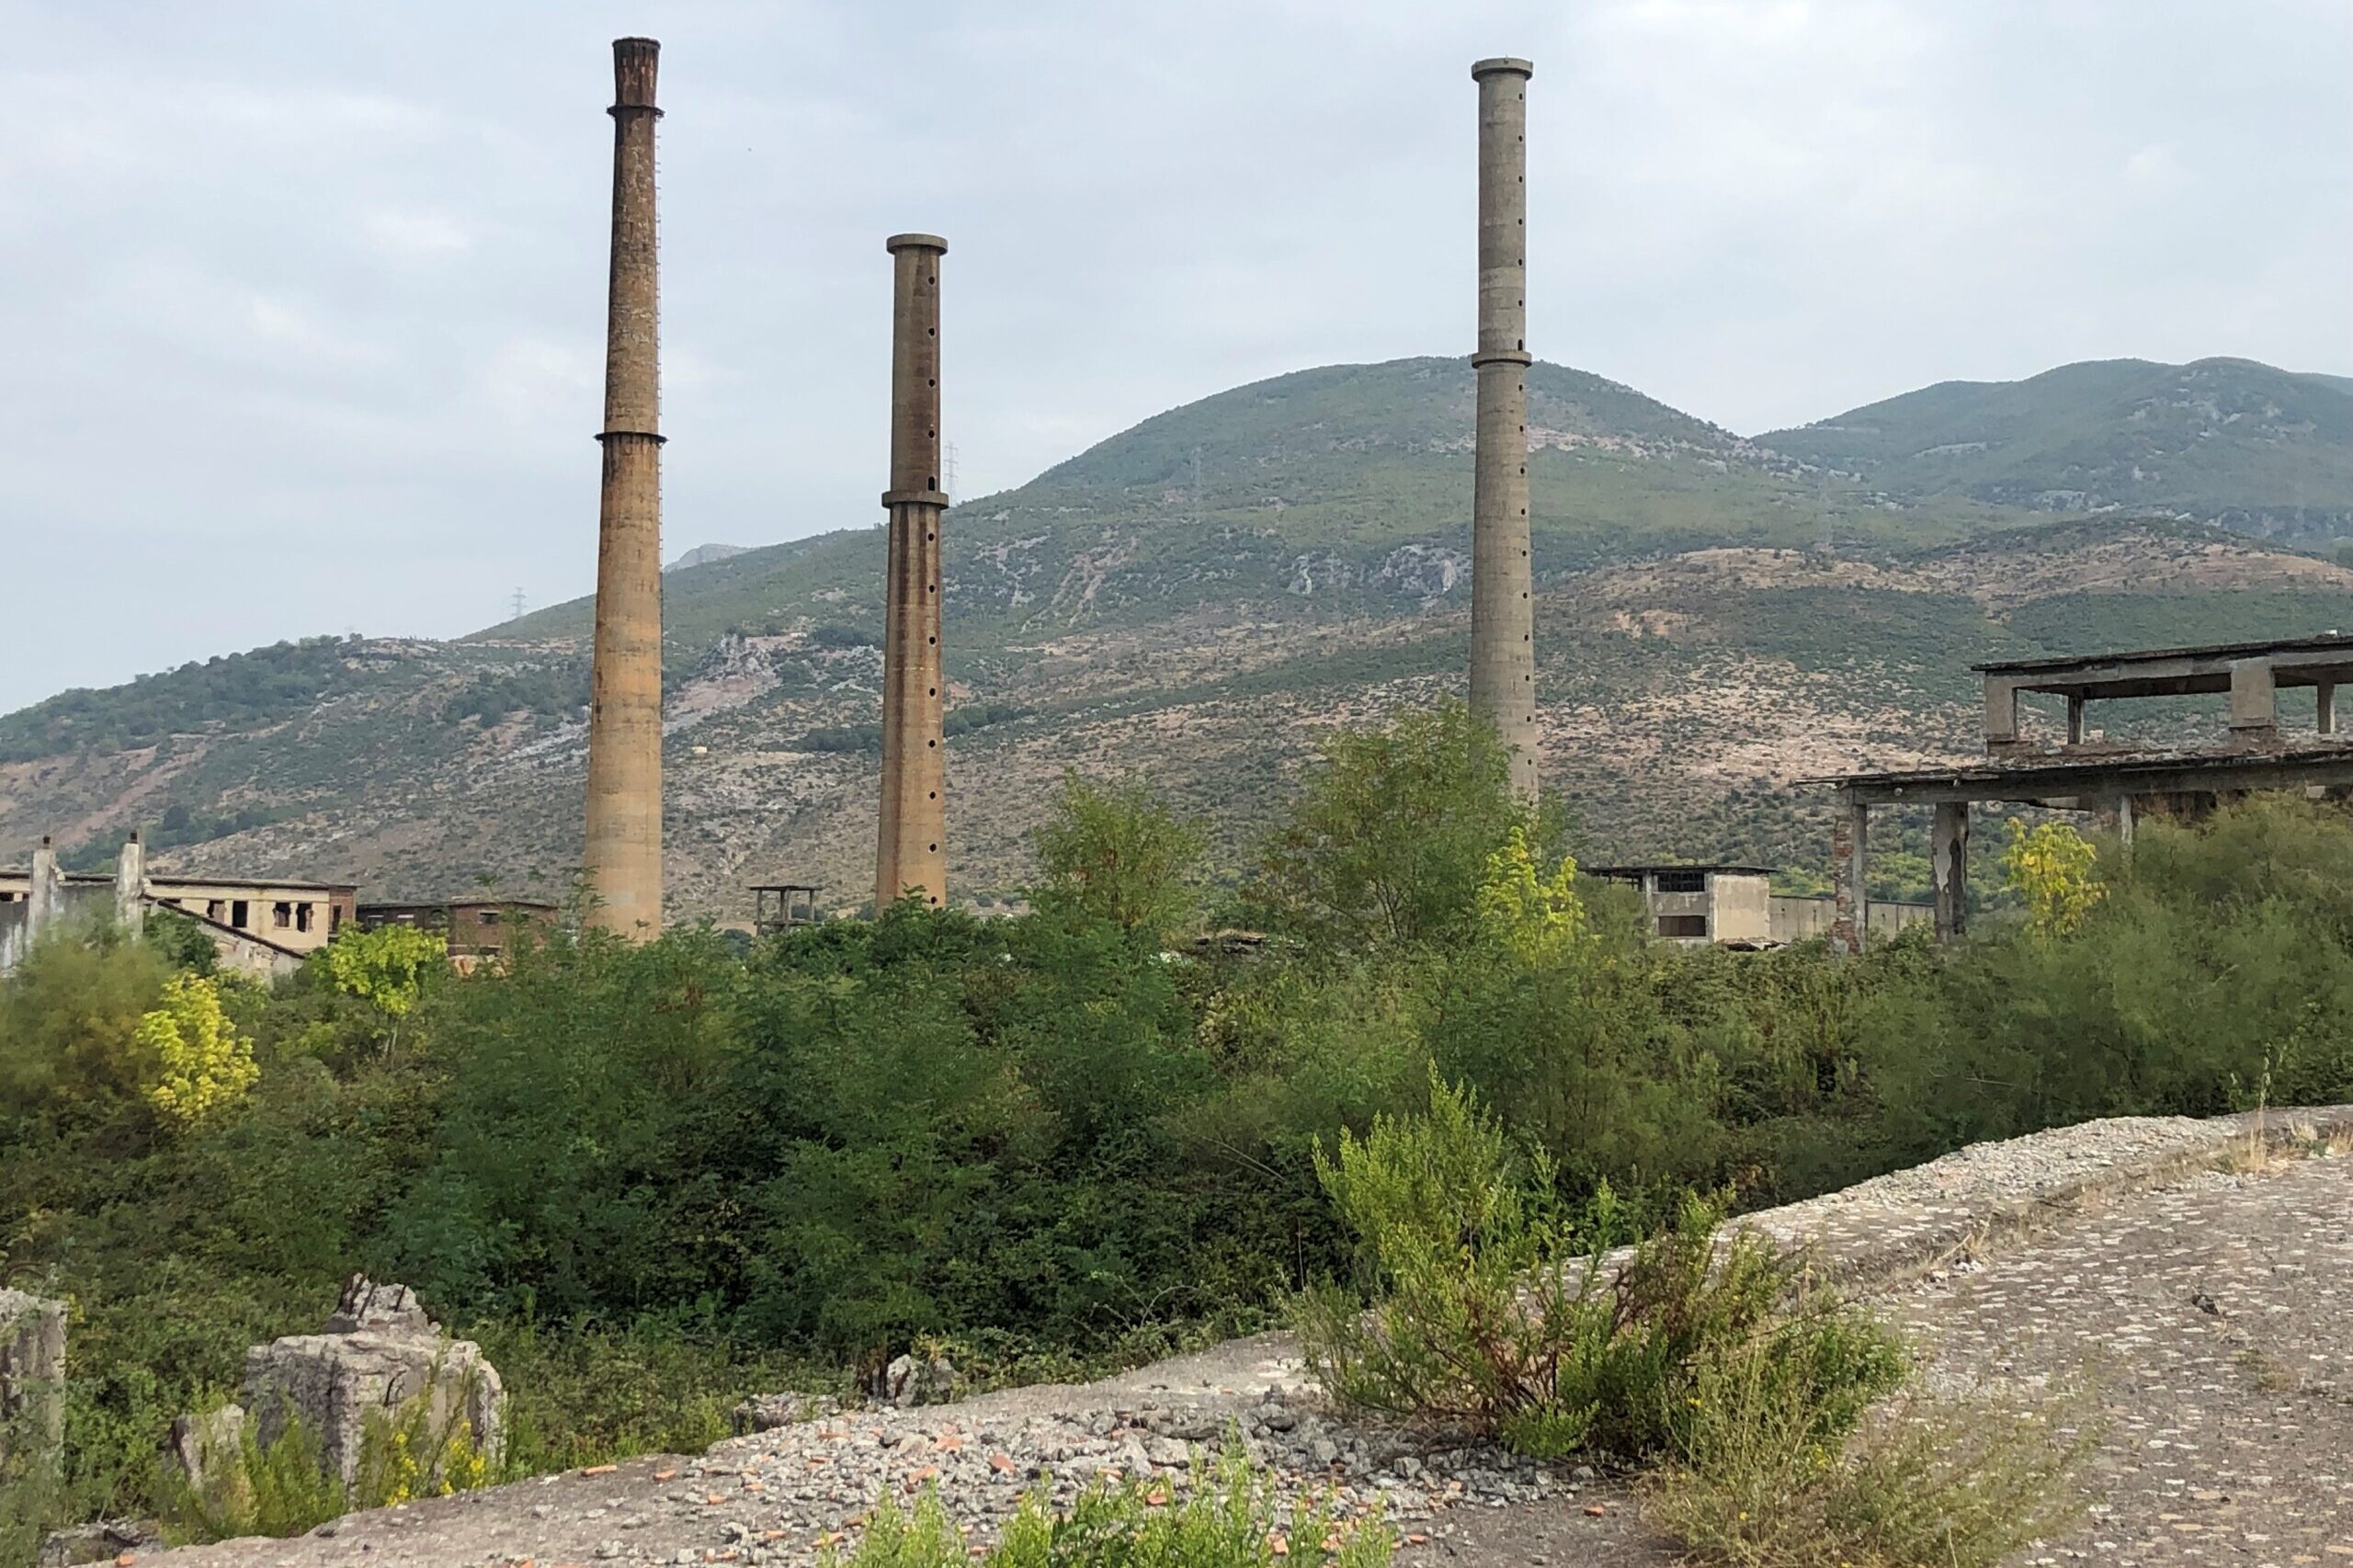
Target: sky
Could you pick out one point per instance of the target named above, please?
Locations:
(303, 303)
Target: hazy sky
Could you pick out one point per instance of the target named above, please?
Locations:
(303, 303)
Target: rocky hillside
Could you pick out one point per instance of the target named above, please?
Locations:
(1195, 598)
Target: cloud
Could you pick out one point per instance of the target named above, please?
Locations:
(305, 304)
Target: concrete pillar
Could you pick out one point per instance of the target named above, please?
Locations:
(1850, 918)
(2001, 713)
(2075, 720)
(32, 1370)
(2124, 820)
(1949, 865)
(911, 848)
(2254, 699)
(45, 899)
(624, 816)
(131, 886)
(1503, 610)
(2325, 706)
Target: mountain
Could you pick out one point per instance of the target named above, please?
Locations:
(2264, 451)
(1196, 599)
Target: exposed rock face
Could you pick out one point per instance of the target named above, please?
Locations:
(32, 1366)
(379, 1353)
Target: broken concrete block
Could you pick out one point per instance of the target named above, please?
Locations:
(205, 1448)
(388, 1362)
(911, 1381)
(105, 1541)
(766, 1412)
(32, 1367)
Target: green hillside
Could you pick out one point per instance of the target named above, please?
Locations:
(1196, 599)
(2265, 451)
(1339, 490)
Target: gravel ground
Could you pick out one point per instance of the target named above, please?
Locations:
(2212, 1315)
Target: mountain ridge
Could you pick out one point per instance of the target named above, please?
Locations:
(1717, 618)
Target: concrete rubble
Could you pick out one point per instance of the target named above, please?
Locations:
(379, 1354)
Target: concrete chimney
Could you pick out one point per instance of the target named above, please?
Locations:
(131, 886)
(45, 899)
(1503, 613)
(911, 855)
(624, 849)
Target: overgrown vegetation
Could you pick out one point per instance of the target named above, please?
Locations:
(652, 1178)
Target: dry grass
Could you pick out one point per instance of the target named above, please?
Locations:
(1923, 1483)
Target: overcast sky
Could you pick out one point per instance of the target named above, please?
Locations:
(303, 303)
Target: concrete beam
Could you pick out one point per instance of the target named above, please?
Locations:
(1949, 866)
(2254, 696)
(2001, 712)
(131, 886)
(1849, 834)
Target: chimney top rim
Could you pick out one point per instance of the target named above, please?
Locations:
(897, 243)
(1501, 65)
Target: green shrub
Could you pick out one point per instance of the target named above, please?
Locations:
(1495, 1315)
(282, 1488)
(1227, 1517)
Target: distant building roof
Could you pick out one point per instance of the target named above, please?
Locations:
(203, 880)
(1712, 869)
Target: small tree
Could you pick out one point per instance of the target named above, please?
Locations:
(1117, 852)
(201, 1062)
(386, 968)
(1537, 918)
(2050, 868)
(1390, 842)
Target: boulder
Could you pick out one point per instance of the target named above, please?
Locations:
(32, 1367)
(911, 1381)
(380, 1358)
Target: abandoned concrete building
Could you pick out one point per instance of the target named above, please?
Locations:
(1735, 906)
(2118, 781)
(260, 926)
(477, 929)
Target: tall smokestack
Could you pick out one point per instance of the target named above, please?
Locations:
(624, 856)
(911, 855)
(1503, 614)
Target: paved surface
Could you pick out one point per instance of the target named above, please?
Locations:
(2209, 1313)
(2212, 1321)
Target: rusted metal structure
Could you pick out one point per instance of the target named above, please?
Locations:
(624, 815)
(911, 850)
(1502, 611)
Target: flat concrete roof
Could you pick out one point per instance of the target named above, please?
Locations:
(1713, 869)
(2175, 672)
(2097, 780)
